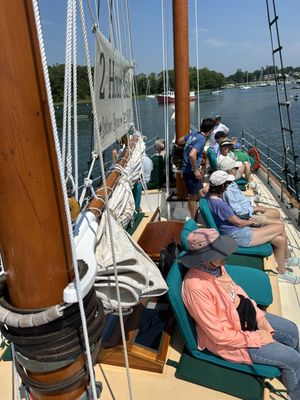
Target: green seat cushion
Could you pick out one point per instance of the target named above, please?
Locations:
(262, 250)
(248, 278)
(212, 158)
(137, 195)
(242, 182)
(189, 226)
(157, 177)
(134, 223)
(187, 329)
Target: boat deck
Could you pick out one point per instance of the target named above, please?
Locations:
(148, 385)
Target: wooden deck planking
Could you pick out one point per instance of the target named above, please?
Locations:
(289, 294)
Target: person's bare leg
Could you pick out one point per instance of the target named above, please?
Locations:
(193, 205)
(267, 212)
(240, 172)
(248, 175)
(276, 235)
(271, 213)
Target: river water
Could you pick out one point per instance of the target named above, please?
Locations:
(254, 110)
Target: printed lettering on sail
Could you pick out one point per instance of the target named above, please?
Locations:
(113, 91)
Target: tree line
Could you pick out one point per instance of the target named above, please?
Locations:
(208, 80)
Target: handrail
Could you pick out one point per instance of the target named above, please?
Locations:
(271, 164)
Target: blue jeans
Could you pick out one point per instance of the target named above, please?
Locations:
(284, 353)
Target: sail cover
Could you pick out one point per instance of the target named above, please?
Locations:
(113, 91)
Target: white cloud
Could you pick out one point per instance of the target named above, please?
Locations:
(217, 43)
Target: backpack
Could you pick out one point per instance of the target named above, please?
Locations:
(167, 256)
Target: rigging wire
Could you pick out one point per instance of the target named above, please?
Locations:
(91, 11)
(66, 81)
(67, 209)
(135, 92)
(165, 91)
(98, 138)
(197, 65)
(117, 22)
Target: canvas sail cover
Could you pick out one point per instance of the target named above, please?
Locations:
(113, 91)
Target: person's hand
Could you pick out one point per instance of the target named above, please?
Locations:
(197, 174)
(262, 323)
(265, 336)
(258, 220)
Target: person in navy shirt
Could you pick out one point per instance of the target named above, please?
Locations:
(192, 155)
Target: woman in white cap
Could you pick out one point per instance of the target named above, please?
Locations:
(227, 162)
(228, 323)
(244, 230)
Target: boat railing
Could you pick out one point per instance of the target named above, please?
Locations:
(273, 161)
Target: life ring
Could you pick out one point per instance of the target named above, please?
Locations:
(254, 153)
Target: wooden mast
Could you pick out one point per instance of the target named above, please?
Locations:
(34, 236)
(182, 80)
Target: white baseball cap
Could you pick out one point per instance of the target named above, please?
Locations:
(227, 164)
(217, 178)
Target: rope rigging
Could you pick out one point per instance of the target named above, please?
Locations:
(291, 178)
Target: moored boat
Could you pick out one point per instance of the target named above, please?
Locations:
(169, 97)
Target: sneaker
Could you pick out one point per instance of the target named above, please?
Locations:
(289, 278)
(292, 261)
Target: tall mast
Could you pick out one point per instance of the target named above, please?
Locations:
(182, 79)
(34, 239)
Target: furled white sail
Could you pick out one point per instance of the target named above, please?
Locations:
(113, 91)
(138, 275)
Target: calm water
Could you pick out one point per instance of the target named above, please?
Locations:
(254, 110)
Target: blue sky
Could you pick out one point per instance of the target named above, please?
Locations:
(232, 34)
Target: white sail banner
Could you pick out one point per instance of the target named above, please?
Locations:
(113, 91)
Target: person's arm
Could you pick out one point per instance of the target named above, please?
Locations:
(225, 212)
(235, 220)
(182, 140)
(202, 308)
(193, 161)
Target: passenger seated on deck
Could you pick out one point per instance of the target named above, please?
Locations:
(228, 323)
(160, 148)
(226, 161)
(219, 137)
(218, 127)
(147, 167)
(242, 205)
(247, 231)
(122, 143)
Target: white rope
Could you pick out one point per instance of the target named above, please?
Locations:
(88, 181)
(75, 99)
(98, 139)
(118, 26)
(197, 65)
(67, 209)
(66, 79)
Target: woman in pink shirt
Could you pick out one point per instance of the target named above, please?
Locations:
(228, 323)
